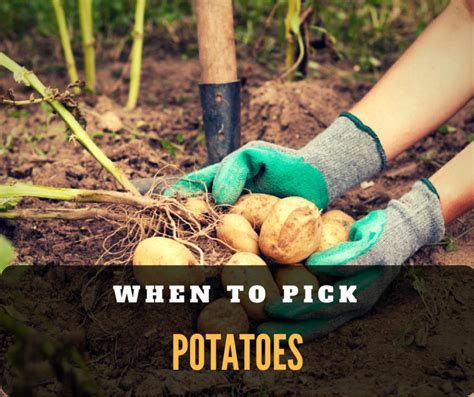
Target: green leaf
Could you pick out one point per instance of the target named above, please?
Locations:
(471, 138)
(7, 146)
(200, 139)
(18, 114)
(7, 253)
(169, 147)
(451, 246)
(8, 203)
(428, 156)
(40, 152)
(180, 138)
(419, 285)
(375, 62)
(98, 135)
(45, 107)
(446, 129)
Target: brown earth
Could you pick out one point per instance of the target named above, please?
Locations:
(36, 149)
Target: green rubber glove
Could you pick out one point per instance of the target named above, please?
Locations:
(345, 154)
(379, 244)
(260, 168)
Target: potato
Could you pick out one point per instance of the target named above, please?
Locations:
(247, 269)
(333, 233)
(335, 230)
(296, 275)
(246, 259)
(339, 217)
(152, 257)
(237, 232)
(254, 207)
(291, 231)
(223, 317)
(197, 207)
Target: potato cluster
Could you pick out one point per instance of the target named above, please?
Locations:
(285, 231)
(261, 229)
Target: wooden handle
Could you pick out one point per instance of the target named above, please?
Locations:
(215, 24)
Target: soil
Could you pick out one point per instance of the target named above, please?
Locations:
(37, 149)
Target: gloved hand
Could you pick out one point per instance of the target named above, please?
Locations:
(379, 244)
(345, 154)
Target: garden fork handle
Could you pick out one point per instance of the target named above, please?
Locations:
(220, 87)
(215, 27)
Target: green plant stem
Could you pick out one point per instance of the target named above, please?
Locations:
(85, 15)
(24, 76)
(66, 43)
(135, 70)
(21, 190)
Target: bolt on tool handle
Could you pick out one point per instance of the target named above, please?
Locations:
(221, 113)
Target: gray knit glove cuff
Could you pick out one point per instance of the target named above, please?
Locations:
(347, 153)
(415, 220)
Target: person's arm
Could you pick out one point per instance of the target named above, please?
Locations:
(424, 88)
(454, 183)
(427, 85)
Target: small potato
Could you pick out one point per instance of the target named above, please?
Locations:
(335, 230)
(333, 233)
(296, 275)
(197, 207)
(339, 217)
(255, 207)
(247, 269)
(237, 232)
(223, 317)
(246, 259)
(291, 231)
(152, 257)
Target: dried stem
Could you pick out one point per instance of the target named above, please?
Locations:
(62, 213)
(23, 102)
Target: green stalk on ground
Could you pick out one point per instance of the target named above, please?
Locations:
(28, 78)
(22, 190)
(66, 43)
(87, 31)
(136, 58)
(7, 253)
